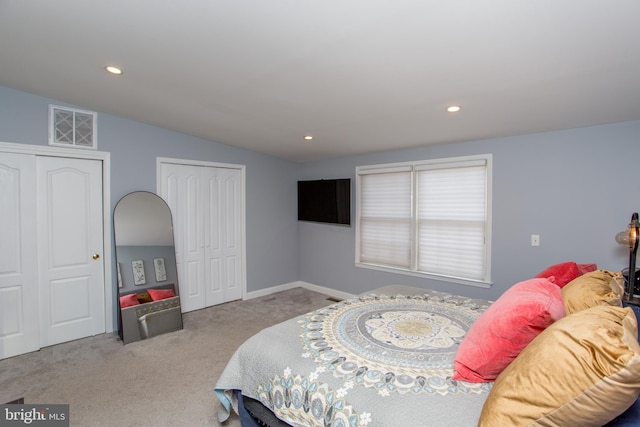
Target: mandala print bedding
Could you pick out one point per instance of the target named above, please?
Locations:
(382, 360)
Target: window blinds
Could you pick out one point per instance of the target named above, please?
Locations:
(451, 217)
(385, 218)
(426, 217)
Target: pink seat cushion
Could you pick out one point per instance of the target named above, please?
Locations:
(129, 300)
(505, 329)
(160, 294)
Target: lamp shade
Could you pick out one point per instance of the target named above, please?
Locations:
(630, 236)
(623, 238)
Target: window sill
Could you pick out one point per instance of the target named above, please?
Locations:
(442, 278)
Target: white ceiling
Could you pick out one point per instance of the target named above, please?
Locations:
(359, 75)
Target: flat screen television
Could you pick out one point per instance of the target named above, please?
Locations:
(325, 200)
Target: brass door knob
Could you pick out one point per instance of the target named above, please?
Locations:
(96, 256)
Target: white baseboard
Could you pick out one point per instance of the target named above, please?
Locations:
(271, 290)
(298, 284)
(324, 290)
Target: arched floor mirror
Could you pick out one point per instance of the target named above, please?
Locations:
(148, 291)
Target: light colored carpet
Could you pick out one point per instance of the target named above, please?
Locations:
(163, 381)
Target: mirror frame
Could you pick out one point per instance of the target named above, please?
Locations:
(146, 267)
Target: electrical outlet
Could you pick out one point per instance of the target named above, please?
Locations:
(535, 240)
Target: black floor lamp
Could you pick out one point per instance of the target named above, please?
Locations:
(631, 237)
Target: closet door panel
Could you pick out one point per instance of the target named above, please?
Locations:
(194, 239)
(232, 231)
(67, 219)
(215, 273)
(70, 247)
(77, 289)
(231, 277)
(208, 220)
(19, 318)
(181, 187)
(213, 247)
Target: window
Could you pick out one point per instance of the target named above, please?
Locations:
(429, 217)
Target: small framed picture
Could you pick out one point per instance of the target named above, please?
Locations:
(138, 272)
(119, 275)
(161, 272)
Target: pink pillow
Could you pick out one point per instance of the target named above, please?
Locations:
(505, 329)
(565, 272)
(587, 268)
(129, 300)
(160, 294)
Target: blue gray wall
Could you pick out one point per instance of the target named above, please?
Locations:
(575, 188)
(271, 229)
(127, 254)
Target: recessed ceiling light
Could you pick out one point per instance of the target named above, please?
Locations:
(113, 70)
(454, 108)
(308, 137)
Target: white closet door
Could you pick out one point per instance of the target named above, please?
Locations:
(181, 188)
(19, 320)
(223, 248)
(207, 207)
(70, 248)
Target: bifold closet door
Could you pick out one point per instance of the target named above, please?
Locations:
(206, 204)
(70, 248)
(51, 267)
(19, 302)
(223, 247)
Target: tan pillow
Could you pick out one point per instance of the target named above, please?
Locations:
(583, 370)
(144, 297)
(595, 288)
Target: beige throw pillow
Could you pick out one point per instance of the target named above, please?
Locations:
(595, 288)
(584, 370)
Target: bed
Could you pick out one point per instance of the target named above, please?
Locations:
(402, 356)
(149, 317)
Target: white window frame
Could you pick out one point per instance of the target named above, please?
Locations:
(416, 166)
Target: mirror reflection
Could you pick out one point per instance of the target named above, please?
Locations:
(146, 266)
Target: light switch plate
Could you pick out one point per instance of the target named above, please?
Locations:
(535, 240)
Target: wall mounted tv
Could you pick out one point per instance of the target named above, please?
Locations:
(325, 200)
